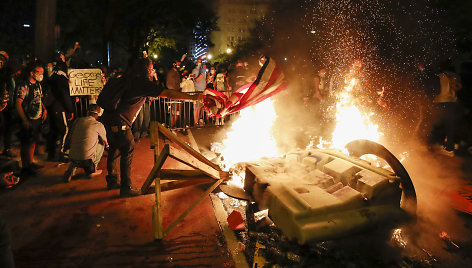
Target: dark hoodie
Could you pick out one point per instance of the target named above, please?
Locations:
(59, 89)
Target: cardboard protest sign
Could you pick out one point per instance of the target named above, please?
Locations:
(85, 81)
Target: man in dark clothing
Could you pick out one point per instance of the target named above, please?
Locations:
(173, 83)
(61, 109)
(7, 88)
(118, 123)
(173, 77)
(32, 112)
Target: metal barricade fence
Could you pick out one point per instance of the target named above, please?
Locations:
(174, 114)
(81, 104)
(177, 114)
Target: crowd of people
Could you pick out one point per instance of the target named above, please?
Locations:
(37, 108)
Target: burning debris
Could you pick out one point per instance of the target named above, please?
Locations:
(318, 194)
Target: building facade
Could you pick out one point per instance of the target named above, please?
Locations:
(236, 19)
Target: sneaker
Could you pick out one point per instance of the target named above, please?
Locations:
(129, 191)
(70, 172)
(113, 185)
(112, 182)
(28, 171)
(8, 153)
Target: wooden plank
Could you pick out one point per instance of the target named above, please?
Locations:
(157, 166)
(193, 142)
(153, 134)
(194, 162)
(179, 173)
(171, 136)
(157, 228)
(172, 185)
(187, 211)
(232, 243)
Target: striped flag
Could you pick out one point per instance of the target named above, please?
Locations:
(270, 81)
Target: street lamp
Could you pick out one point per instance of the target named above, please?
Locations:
(228, 50)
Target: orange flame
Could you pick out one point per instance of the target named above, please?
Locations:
(251, 135)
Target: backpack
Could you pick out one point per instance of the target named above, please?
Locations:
(110, 97)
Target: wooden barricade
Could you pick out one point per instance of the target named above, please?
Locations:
(204, 171)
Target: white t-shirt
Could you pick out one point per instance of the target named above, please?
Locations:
(187, 85)
(85, 135)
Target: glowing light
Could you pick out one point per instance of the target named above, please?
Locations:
(228, 50)
(250, 136)
(209, 56)
(26, 25)
(351, 122)
(154, 56)
(397, 236)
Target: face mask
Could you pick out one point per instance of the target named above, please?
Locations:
(199, 64)
(212, 71)
(39, 78)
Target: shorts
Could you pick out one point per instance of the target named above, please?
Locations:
(30, 135)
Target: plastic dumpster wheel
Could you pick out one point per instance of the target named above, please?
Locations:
(359, 148)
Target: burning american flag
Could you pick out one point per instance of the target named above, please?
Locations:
(270, 81)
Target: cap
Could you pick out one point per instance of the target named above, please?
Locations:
(4, 54)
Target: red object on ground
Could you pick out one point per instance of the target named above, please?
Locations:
(235, 221)
(461, 198)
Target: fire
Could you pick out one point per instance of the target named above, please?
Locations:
(351, 122)
(250, 137)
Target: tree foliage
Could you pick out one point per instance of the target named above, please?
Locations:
(129, 25)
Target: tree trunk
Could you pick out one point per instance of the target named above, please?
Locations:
(44, 38)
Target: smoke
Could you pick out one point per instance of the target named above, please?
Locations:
(388, 40)
(434, 177)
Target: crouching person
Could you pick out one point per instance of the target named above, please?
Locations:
(87, 143)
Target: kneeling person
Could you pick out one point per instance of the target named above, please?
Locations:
(87, 141)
